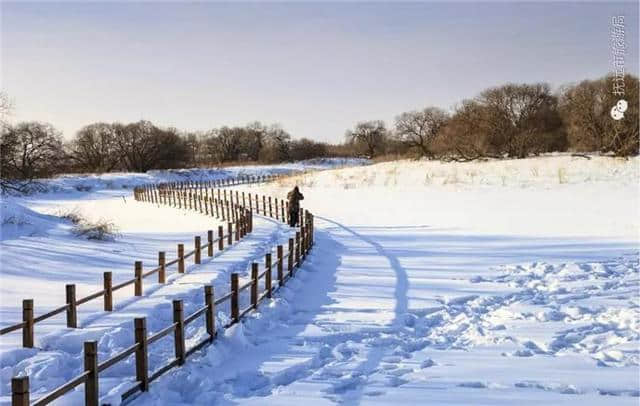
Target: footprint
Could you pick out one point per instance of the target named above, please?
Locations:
(427, 363)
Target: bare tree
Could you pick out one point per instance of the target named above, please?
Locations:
(143, 146)
(419, 129)
(517, 117)
(224, 144)
(277, 145)
(462, 137)
(254, 138)
(369, 134)
(94, 148)
(586, 112)
(306, 149)
(28, 151)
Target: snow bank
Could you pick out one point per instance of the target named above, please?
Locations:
(540, 171)
(17, 220)
(123, 180)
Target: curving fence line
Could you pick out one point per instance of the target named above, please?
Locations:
(239, 225)
(194, 196)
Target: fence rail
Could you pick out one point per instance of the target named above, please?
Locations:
(298, 248)
(240, 224)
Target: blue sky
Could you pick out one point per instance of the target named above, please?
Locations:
(315, 68)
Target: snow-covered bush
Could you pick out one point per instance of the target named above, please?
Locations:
(73, 216)
(101, 230)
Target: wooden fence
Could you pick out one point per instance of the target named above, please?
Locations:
(240, 223)
(298, 249)
(211, 198)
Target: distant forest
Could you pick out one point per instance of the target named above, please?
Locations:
(509, 121)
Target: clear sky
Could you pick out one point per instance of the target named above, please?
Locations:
(315, 68)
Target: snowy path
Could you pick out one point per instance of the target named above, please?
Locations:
(387, 316)
(114, 331)
(420, 294)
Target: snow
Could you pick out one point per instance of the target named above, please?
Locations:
(503, 282)
(124, 180)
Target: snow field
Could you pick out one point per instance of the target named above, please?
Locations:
(503, 282)
(448, 293)
(114, 331)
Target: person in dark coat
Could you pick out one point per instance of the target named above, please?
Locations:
(294, 198)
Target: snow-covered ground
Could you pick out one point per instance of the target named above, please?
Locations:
(505, 282)
(123, 181)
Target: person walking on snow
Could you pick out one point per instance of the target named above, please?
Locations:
(294, 198)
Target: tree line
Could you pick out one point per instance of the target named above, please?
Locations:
(32, 150)
(513, 120)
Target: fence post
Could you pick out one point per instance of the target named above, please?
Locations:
(254, 285)
(211, 311)
(72, 314)
(230, 231)
(311, 218)
(267, 279)
(290, 258)
(270, 211)
(142, 360)
(234, 298)
(237, 230)
(220, 203)
(27, 318)
(232, 206)
(298, 248)
(91, 392)
(210, 243)
(220, 238)
(288, 213)
(264, 205)
(108, 292)
(162, 272)
(250, 203)
(280, 275)
(303, 242)
(225, 201)
(284, 219)
(20, 391)
(138, 283)
(244, 220)
(178, 317)
(181, 258)
(196, 243)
